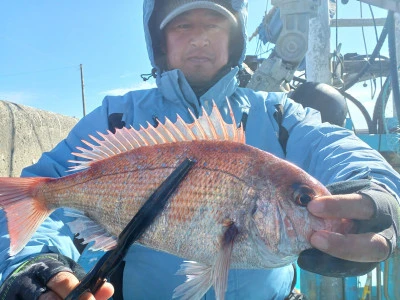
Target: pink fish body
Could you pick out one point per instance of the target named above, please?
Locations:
(239, 207)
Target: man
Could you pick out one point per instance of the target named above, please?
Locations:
(196, 48)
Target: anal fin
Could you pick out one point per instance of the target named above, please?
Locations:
(201, 277)
(91, 231)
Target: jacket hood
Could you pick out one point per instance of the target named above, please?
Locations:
(154, 36)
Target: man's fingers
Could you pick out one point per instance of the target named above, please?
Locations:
(50, 295)
(64, 282)
(366, 247)
(350, 206)
(105, 292)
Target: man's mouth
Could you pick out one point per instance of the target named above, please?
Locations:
(199, 59)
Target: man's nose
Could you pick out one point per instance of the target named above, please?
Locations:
(200, 38)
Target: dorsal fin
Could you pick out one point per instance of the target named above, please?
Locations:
(211, 128)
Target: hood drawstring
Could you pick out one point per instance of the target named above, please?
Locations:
(153, 74)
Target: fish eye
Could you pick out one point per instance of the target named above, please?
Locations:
(303, 194)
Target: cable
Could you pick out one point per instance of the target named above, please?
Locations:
(380, 106)
(361, 107)
(373, 56)
(366, 51)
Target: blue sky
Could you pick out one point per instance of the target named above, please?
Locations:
(43, 42)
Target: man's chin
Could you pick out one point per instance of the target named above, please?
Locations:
(199, 81)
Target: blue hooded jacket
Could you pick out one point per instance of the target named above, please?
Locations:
(327, 152)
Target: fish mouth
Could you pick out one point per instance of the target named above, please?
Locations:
(318, 224)
(342, 226)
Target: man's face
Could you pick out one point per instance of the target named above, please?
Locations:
(197, 44)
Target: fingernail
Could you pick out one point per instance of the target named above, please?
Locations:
(320, 241)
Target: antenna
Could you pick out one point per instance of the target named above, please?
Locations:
(83, 91)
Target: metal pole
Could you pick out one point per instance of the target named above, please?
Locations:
(397, 39)
(357, 22)
(378, 282)
(83, 91)
(317, 58)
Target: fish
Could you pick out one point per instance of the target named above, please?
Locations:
(238, 207)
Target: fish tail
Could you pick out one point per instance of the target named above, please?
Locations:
(25, 209)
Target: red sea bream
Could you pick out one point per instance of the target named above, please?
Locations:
(238, 207)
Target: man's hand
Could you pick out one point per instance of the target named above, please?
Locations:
(64, 282)
(48, 276)
(362, 247)
(373, 214)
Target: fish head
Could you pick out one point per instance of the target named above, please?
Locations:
(283, 223)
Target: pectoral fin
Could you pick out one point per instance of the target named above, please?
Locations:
(201, 277)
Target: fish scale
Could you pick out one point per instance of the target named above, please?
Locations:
(212, 193)
(237, 207)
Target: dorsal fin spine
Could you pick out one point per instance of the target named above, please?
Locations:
(106, 139)
(132, 138)
(125, 130)
(123, 140)
(118, 141)
(197, 124)
(93, 154)
(156, 134)
(168, 132)
(207, 127)
(235, 136)
(225, 132)
(148, 139)
(104, 147)
(186, 127)
(213, 130)
(169, 124)
(141, 134)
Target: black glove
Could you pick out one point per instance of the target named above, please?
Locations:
(384, 222)
(29, 280)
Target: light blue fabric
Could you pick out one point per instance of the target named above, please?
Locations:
(327, 152)
(157, 266)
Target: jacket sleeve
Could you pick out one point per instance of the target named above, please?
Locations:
(53, 235)
(331, 153)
